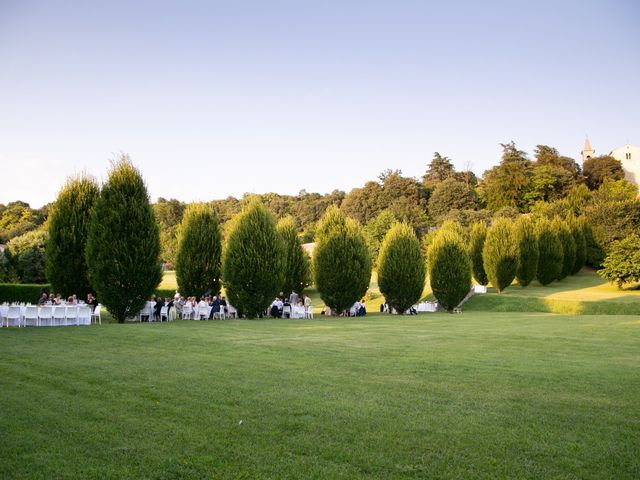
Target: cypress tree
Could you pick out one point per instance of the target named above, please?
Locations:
(341, 262)
(551, 253)
(478, 237)
(123, 247)
(252, 260)
(528, 253)
(295, 261)
(500, 254)
(449, 269)
(577, 226)
(198, 259)
(65, 263)
(568, 247)
(332, 219)
(401, 270)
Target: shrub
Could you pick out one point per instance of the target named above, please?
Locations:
(296, 274)
(622, 264)
(401, 270)
(528, 253)
(449, 269)
(252, 260)
(568, 246)
(551, 253)
(198, 259)
(578, 226)
(478, 237)
(500, 254)
(451, 194)
(22, 292)
(341, 262)
(26, 254)
(66, 265)
(123, 246)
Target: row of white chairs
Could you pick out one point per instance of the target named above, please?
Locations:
(53, 316)
(148, 311)
(202, 312)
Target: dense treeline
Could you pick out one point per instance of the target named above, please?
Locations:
(546, 184)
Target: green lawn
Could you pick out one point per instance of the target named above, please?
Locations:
(477, 395)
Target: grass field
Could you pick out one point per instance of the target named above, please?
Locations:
(477, 395)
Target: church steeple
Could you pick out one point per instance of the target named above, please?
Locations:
(588, 152)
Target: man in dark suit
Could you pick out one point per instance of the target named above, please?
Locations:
(215, 307)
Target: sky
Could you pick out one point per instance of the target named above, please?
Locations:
(212, 99)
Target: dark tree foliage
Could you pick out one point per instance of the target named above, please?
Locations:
(341, 262)
(401, 270)
(449, 268)
(451, 194)
(198, 259)
(438, 170)
(507, 184)
(551, 252)
(568, 246)
(66, 265)
(597, 169)
(476, 245)
(252, 260)
(622, 264)
(123, 246)
(500, 254)
(528, 252)
(578, 226)
(376, 229)
(297, 275)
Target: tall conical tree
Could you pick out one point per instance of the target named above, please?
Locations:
(500, 254)
(341, 262)
(66, 266)
(528, 252)
(252, 260)
(401, 270)
(551, 253)
(295, 260)
(478, 237)
(332, 219)
(578, 227)
(123, 247)
(198, 259)
(449, 268)
(568, 246)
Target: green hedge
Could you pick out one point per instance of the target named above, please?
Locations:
(30, 292)
(21, 292)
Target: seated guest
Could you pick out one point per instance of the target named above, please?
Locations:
(178, 303)
(57, 300)
(157, 308)
(362, 311)
(223, 304)
(43, 297)
(169, 303)
(215, 307)
(355, 309)
(275, 310)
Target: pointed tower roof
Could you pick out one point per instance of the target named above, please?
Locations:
(587, 145)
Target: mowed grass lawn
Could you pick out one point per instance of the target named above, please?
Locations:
(477, 395)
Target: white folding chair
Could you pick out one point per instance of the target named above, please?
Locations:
(231, 312)
(96, 316)
(308, 312)
(220, 313)
(147, 311)
(14, 315)
(203, 312)
(286, 311)
(31, 316)
(71, 316)
(84, 315)
(45, 315)
(164, 313)
(59, 315)
(187, 311)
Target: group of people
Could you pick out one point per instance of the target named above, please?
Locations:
(277, 307)
(357, 310)
(56, 299)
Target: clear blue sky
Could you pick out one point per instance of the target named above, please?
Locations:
(213, 99)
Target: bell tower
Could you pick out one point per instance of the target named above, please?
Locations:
(588, 152)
